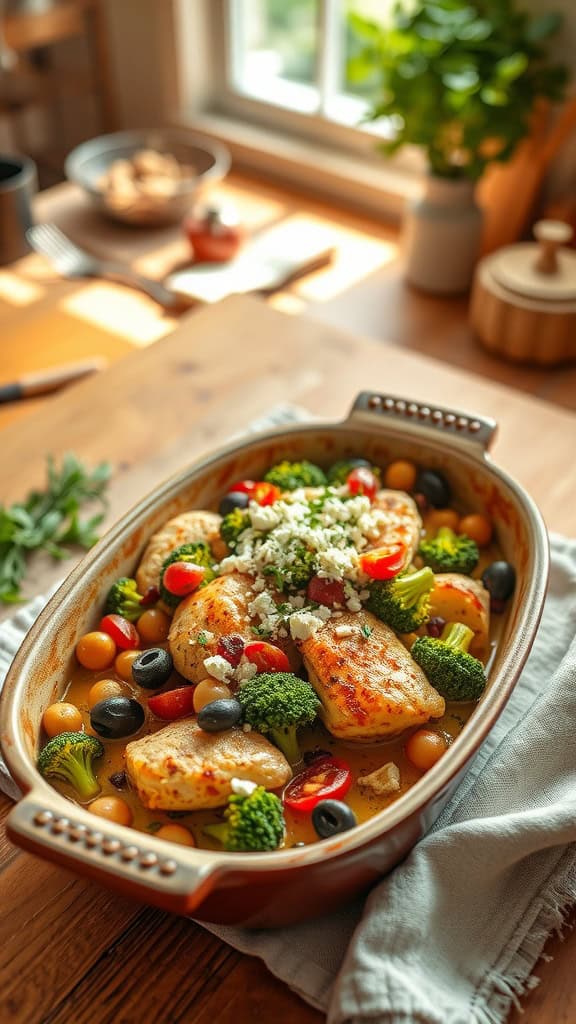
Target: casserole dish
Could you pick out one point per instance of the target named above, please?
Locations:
(269, 889)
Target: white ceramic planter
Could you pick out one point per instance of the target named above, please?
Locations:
(442, 233)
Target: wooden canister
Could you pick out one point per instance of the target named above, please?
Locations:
(523, 304)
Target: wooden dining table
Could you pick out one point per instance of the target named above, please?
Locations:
(73, 953)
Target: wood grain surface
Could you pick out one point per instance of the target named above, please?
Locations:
(75, 954)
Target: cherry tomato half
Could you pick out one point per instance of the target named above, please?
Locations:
(326, 777)
(183, 578)
(173, 704)
(362, 481)
(328, 592)
(124, 633)
(266, 657)
(231, 647)
(258, 490)
(383, 563)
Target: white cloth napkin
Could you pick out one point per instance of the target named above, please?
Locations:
(451, 936)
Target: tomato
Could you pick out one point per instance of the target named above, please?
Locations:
(383, 563)
(124, 633)
(215, 235)
(244, 487)
(173, 704)
(231, 647)
(362, 481)
(96, 650)
(425, 747)
(151, 596)
(258, 490)
(328, 592)
(183, 578)
(266, 657)
(327, 777)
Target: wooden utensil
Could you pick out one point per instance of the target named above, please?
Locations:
(43, 382)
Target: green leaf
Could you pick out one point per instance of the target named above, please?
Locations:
(476, 31)
(543, 26)
(463, 81)
(510, 68)
(494, 97)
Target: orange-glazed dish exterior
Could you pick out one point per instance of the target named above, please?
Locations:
(268, 889)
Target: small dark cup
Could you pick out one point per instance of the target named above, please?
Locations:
(18, 183)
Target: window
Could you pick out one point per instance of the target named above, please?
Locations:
(290, 57)
(280, 95)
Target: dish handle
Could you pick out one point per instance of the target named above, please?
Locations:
(418, 417)
(139, 868)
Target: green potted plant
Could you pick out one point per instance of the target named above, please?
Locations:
(460, 79)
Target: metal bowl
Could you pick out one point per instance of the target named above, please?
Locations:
(86, 165)
(268, 889)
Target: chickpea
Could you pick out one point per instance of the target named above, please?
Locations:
(113, 808)
(209, 690)
(176, 834)
(61, 717)
(96, 650)
(443, 517)
(153, 626)
(478, 528)
(123, 664)
(400, 475)
(102, 690)
(425, 747)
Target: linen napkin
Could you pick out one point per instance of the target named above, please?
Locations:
(452, 934)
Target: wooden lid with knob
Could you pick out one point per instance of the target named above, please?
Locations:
(524, 298)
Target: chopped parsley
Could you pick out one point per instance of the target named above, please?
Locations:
(366, 631)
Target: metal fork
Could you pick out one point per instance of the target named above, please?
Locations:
(71, 261)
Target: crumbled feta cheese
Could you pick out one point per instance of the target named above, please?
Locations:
(242, 787)
(304, 624)
(354, 603)
(218, 668)
(364, 595)
(259, 585)
(342, 631)
(382, 782)
(263, 517)
(246, 727)
(297, 601)
(246, 670)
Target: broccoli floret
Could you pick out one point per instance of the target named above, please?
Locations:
(253, 823)
(403, 603)
(450, 669)
(288, 476)
(68, 757)
(297, 574)
(199, 553)
(233, 525)
(449, 552)
(123, 599)
(340, 471)
(278, 704)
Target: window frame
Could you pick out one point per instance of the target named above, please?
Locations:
(334, 159)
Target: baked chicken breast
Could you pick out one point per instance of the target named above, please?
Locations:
(219, 608)
(403, 524)
(369, 685)
(182, 768)
(186, 528)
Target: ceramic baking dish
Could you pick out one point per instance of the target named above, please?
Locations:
(268, 889)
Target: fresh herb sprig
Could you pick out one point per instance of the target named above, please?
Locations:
(49, 520)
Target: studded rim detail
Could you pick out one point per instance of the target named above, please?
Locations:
(99, 843)
(480, 430)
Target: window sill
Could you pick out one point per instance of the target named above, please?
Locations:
(367, 185)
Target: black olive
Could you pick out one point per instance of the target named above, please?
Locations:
(118, 780)
(219, 715)
(434, 487)
(116, 717)
(332, 816)
(152, 668)
(232, 500)
(499, 579)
